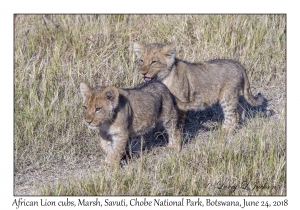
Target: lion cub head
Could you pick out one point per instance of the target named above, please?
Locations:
(154, 60)
(99, 104)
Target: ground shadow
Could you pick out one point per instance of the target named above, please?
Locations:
(207, 120)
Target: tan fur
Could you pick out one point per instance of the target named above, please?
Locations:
(216, 80)
(123, 113)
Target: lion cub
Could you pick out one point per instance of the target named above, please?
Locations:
(216, 80)
(123, 113)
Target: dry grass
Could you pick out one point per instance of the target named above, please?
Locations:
(55, 154)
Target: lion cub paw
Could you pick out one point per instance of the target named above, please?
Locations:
(173, 147)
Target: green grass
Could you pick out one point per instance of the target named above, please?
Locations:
(55, 154)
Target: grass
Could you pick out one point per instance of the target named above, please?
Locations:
(55, 154)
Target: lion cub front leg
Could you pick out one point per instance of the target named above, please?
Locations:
(181, 119)
(117, 149)
(105, 144)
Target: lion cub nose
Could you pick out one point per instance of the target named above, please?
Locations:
(88, 121)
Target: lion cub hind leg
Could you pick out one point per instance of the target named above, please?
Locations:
(171, 125)
(241, 110)
(229, 103)
(174, 138)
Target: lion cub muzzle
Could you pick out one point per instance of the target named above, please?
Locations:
(148, 79)
(88, 122)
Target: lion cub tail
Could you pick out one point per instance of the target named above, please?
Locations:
(191, 105)
(254, 101)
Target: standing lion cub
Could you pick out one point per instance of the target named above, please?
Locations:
(215, 80)
(123, 113)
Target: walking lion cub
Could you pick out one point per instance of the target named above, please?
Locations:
(220, 81)
(123, 113)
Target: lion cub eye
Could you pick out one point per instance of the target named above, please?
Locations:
(141, 62)
(85, 107)
(97, 109)
(153, 62)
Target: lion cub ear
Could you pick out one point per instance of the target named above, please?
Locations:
(138, 49)
(170, 50)
(111, 93)
(85, 90)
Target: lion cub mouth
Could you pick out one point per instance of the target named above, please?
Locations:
(148, 79)
(92, 127)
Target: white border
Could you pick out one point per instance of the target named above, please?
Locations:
(154, 6)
